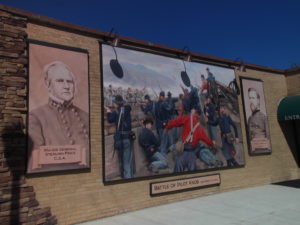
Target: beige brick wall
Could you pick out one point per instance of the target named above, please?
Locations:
(280, 165)
(293, 84)
(75, 197)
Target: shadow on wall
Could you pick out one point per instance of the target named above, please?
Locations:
(13, 170)
(17, 199)
(291, 131)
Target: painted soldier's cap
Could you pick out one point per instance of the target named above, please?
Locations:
(222, 104)
(147, 121)
(147, 97)
(209, 97)
(162, 93)
(118, 99)
(197, 109)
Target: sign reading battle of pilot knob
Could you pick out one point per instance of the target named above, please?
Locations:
(58, 121)
(171, 186)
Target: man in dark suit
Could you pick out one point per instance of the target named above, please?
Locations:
(58, 123)
(258, 128)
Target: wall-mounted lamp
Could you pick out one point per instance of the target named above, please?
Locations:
(242, 66)
(188, 58)
(184, 76)
(115, 66)
(115, 42)
(233, 86)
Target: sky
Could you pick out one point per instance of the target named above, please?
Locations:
(264, 32)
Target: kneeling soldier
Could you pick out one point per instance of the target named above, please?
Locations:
(150, 144)
(192, 134)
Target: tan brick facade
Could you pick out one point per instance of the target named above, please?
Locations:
(293, 84)
(75, 197)
(79, 197)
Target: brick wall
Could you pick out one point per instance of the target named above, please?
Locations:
(280, 165)
(76, 197)
(293, 84)
(79, 197)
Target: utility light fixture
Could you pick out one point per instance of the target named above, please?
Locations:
(184, 76)
(242, 66)
(115, 66)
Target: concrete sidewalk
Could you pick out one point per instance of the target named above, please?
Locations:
(264, 205)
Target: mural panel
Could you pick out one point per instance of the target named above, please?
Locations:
(166, 116)
(258, 133)
(58, 123)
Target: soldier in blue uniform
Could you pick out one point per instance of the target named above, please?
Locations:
(171, 101)
(211, 118)
(123, 136)
(212, 89)
(162, 117)
(210, 76)
(150, 144)
(174, 133)
(185, 102)
(225, 122)
(194, 99)
(149, 107)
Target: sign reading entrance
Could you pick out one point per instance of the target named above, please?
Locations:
(170, 186)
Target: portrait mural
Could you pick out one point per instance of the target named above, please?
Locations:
(165, 116)
(58, 122)
(257, 126)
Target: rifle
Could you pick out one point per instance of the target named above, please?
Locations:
(154, 92)
(117, 135)
(160, 87)
(153, 113)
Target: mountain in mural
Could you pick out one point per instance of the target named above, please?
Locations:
(139, 76)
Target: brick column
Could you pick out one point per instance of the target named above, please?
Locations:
(18, 204)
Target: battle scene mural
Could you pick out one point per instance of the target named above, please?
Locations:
(163, 115)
